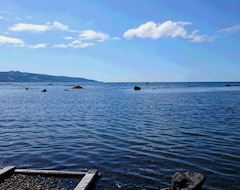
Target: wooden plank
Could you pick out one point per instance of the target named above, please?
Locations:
(50, 172)
(6, 171)
(87, 180)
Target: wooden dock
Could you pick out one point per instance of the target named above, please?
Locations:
(86, 178)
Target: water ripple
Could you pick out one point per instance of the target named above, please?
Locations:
(136, 139)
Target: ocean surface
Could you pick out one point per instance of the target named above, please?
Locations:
(137, 139)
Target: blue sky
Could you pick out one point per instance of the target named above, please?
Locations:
(123, 41)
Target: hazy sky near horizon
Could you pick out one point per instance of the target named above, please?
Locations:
(120, 41)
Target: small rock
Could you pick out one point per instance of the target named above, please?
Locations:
(44, 90)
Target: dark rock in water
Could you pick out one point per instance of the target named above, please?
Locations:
(77, 87)
(44, 90)
(137, 88)
(186, 181)
(26, 88)
(229, 85)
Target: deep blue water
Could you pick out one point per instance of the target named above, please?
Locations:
(137, 139)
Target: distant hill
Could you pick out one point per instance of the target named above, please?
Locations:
(16, 76)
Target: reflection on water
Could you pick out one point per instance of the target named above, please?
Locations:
(137, 139)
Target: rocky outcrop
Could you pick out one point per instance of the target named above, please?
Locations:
(186, 181)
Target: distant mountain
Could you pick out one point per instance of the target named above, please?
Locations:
(16, 76)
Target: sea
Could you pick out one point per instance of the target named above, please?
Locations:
(136, 139)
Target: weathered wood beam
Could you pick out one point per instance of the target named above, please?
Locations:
(6, 171)
(50, 172)
(87, 180)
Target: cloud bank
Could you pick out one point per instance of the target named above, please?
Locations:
(89, 38)
(85, 38)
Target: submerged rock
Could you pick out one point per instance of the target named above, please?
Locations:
(137, 88)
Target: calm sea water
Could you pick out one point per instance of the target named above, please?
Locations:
(137, 139)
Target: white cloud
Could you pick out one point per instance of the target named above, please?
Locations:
(68, 38)
(86, 38)
(166, 29)
(81, 40)
(194, 37)
(232, 29)
(75, 44)
(80, 44)
(58, 26)
(60, 46)
(10, 40)
(153, 30)
(20, 27)
(18, 18)
(116, 38)
(93, 35)
(37, 46)
(3, 18)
